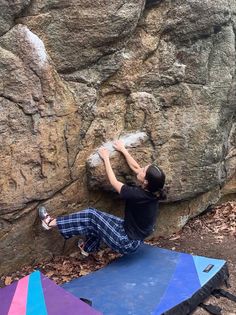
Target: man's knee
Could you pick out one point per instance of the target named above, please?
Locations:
(92, 212)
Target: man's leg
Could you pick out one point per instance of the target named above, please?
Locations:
(79, 223)
(92, 244)
(99, 225)
(96, 224)
(110, 230)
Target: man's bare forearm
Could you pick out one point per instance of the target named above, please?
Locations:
(130, 160)
(111, 176)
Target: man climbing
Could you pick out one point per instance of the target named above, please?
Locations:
(141, 209)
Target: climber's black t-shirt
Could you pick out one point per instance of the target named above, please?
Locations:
(141, 211)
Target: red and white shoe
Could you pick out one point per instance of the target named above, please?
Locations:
(45, 218)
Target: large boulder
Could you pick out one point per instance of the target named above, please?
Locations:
(9, 12)
(38, 120)
(40, 124)
(79, 33)
(75, 75)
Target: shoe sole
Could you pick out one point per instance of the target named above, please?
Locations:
(83, 252)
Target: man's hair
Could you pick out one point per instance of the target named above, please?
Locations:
(156, 180)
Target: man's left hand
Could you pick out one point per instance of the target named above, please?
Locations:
(103, 153)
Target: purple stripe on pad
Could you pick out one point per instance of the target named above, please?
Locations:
(60, 302)
(6, 296)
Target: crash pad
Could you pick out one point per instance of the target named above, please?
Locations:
(151, 281)
(35, 294)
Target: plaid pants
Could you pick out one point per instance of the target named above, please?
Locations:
(97, 226)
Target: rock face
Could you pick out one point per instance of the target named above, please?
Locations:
(79, 33)
(77, 74)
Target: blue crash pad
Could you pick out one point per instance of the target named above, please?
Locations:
(152, 281)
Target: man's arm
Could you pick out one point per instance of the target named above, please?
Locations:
(104, 154)
(119, 146)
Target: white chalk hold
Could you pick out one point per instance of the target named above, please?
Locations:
(128, 139)
(37, 46)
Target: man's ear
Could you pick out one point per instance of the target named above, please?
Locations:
(145, 182)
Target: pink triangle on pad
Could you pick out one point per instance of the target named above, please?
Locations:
(19, 301)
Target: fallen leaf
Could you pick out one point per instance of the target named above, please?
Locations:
(8, 280)
(83, 272)
(174, 238)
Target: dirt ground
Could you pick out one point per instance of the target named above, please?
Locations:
(212, 234)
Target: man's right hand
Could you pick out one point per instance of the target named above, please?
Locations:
(119, 145)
